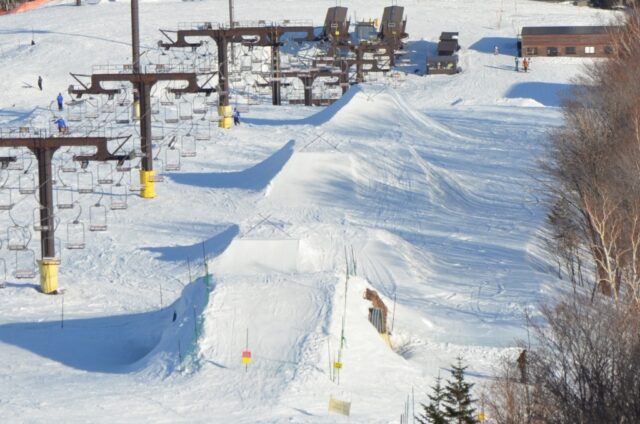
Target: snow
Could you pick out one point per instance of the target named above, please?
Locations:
(428, 183)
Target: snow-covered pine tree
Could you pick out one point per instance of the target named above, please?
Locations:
(433, 413)
(458, 404)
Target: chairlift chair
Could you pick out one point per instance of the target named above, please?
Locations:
(172, 159)
(92, 110)
(18, 237)
(134, 181)
(64, 197)
(185, 110)
(157, 164)
(245, 63)
(122, 113)
(118, 199)
(157, 133)
(75, 112)
(98, 218)
(85, 182)
(171, 114)
(75, 235)
(6, 202)
(188, 146)
(199, 105)
(105, 173)
(68, 164)
(167, 99)
(25, 265)
(155, 106)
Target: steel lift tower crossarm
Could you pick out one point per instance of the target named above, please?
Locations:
(262, 36)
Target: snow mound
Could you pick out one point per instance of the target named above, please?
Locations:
(143, 342)
(255, 256)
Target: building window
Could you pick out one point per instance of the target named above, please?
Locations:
(590, 50)
(532, 51)
(608, 50)
(552, 51)
(569, 50)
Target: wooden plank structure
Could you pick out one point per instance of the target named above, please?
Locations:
(446, 61)
(437, 65)
(582, 41)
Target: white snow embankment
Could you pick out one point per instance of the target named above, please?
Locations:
(144, 342)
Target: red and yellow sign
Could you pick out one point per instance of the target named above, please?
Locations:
(246, 357)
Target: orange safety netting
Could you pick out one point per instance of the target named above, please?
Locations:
(24, 7)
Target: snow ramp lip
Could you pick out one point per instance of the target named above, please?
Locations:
(322, 117)
(117, 344)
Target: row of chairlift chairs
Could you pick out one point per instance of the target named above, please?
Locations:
(114, 181)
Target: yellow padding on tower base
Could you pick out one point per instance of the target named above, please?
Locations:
(387, 339)
(225, 111)
(136, 110)
(148, 190)
(226, 117)
(49, 275)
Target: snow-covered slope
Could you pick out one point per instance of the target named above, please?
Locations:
(428, 184)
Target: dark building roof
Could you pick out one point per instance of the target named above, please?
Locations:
(445, 36)
(567, 30)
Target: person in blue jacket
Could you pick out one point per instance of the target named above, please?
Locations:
(236, 116)
(62, 126)
(60, 100)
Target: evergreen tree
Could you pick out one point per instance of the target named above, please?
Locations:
(458, 404)
(433, 414)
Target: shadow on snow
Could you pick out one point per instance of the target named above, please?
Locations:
(255, 178)
(214, 246)
(114, 344)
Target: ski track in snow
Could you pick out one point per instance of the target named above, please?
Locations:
(429, 182)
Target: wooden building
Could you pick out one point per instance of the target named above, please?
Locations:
(446, 61)
(583, 41)
(438, 65)
(448, 44)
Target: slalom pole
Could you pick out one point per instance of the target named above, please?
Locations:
(62, 313)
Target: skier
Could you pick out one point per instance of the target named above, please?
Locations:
(62, 126)
(60, 100)
(517, 64)
(496, 50)
(236, 116)
(525, 64)
(40, 82)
